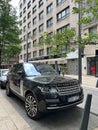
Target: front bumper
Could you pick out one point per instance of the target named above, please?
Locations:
(61, 102)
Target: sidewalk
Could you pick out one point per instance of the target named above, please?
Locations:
(9, 117)
(87, 81)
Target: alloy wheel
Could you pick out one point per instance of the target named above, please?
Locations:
(31, 106)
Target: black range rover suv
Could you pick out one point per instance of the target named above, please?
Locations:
(42, 89)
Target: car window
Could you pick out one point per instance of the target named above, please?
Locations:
(30, 70)
(38, 69)
(15, 68)
(4, 72)
(45, 69)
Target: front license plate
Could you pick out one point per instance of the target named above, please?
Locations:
(72, 99)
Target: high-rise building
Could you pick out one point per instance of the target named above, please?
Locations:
(39, 16)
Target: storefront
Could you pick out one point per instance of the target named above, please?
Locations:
(91, 65)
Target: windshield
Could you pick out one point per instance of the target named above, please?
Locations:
(38, 69)
(4, 72)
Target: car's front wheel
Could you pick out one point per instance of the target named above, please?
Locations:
(31, 106)
(8, 90)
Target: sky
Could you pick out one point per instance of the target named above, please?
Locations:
(15, 3)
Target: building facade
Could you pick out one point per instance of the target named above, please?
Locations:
(89, 59)
(39, 16)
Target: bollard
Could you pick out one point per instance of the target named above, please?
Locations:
(84, 124)
(97, 84)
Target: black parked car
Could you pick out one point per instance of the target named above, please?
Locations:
(42, 89)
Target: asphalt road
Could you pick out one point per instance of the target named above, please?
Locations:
(69, 119)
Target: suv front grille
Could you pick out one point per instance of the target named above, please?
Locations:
(68, 89)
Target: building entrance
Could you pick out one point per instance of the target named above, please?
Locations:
(91, 65)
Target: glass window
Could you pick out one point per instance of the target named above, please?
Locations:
(63, 14)
(20, 14)
(41, 52)
(20, 5)
(24, 10)
(34, 9)
(29, 35)
(30, 70)
(34, 20)
(20, 23)
(93, 30)
(33, 1)
(34, 31)
(41, 3)
(29, 15)
(24, 1)
(29, 24)
(41, 40)
(60, 1)
(41, 15)
(34, 53)
(34, 43)
(49, 8)
(24, 19)
(4, 72)
(50, 22)
(25, 56)
(49, 50)
(24, 28)
(41, 28)
(24, 37)
(29, 55)
(62, 28)
(29, 4)
(38, 69)
(29, 45)
(25, 47)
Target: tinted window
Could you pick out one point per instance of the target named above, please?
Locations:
(38, 69)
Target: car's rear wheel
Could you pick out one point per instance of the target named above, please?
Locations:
(8, 90)
(31, 106)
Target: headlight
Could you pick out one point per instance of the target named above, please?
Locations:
(53, 90)
(47, 90)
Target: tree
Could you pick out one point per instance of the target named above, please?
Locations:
(9, 31)
(60, 42)
(88, 10)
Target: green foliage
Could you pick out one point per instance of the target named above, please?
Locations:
(60, 42)
(9, 31)
(88, 10)
(10, 51)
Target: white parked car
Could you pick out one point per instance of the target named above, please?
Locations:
(3, 77)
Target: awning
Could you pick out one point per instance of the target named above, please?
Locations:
(72, 55)
(52, 61)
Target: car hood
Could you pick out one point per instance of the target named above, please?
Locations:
(51, 79)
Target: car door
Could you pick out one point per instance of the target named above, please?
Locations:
(18, 79)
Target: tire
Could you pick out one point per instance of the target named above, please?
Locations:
(2, 86)
(8, 90)
(31, 107)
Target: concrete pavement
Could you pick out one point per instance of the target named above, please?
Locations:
(10, 119)
(87, 81)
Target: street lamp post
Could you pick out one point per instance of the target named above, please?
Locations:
(79, 42)
(26, 47)
(79, 47)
